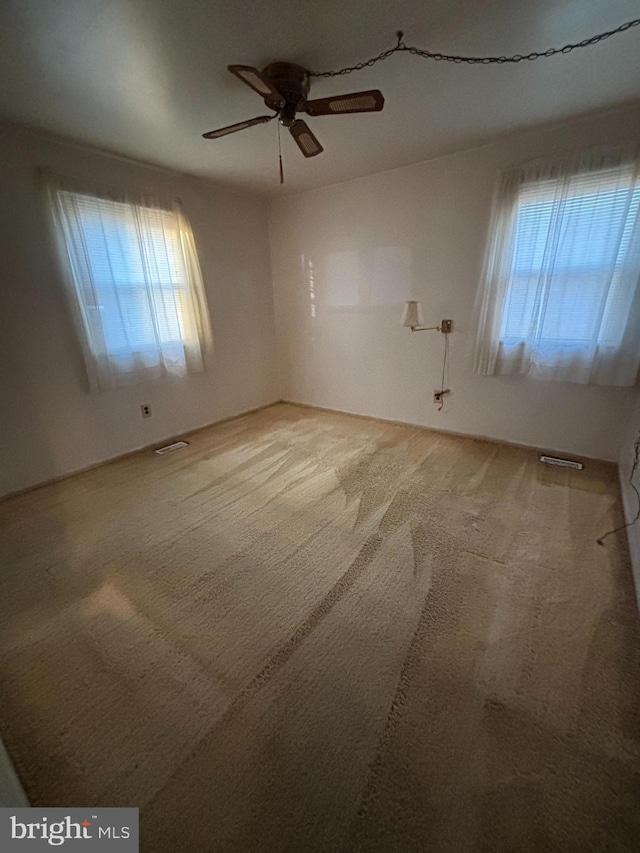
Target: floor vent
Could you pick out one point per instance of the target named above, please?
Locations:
(177, 445)
(561, 463)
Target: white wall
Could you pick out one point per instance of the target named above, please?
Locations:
(629, 497)
(344, 259)
(360, 249)
(49, 424)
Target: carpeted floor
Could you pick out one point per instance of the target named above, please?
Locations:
(311, 632)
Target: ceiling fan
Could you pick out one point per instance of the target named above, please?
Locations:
(284, 88)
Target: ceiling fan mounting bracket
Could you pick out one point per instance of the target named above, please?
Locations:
(292, 82)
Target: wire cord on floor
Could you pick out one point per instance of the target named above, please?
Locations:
(634, 468)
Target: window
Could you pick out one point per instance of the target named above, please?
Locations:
(560, 296)
(136, 286)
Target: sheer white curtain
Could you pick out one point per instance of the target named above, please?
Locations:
(135, 284)
(560, 297)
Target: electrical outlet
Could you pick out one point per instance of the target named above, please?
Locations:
(438, 394)
(145, 408)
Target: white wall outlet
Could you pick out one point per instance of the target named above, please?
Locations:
(438, 394)
(145, 408)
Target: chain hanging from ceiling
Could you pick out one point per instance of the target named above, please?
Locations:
(474, 60)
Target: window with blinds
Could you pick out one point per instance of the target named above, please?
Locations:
(560, 294)
(566, 284)
(117, 255)
(137, 285)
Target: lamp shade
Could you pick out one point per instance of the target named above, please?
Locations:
(412, 315)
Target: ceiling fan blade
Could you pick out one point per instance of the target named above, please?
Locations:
(253, 78)
(371, 101)
(233, 128)
(305, 140)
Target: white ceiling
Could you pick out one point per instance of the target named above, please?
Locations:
(146, 77)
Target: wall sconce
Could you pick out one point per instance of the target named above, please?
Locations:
(412, 319)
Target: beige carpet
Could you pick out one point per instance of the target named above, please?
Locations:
(311, 632)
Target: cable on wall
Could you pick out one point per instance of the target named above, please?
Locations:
(476, 60)
(634, 468)
(445, 369)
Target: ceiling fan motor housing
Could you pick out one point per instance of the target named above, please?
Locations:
(292, 82)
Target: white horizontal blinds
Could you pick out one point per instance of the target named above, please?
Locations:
(139, 297)
(565, 284)
(163, 264)
(561, 296)
(120, 249)
(624, 282)
(532, 231)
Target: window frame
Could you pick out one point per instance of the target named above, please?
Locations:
(602, 344)
(578, 272)
(152, 354)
